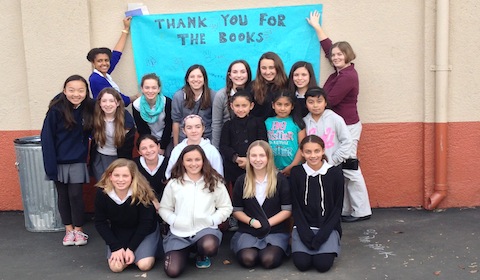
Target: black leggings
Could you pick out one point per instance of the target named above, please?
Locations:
(321, 262)
(175, 261)
(269, 257)
(70, 203)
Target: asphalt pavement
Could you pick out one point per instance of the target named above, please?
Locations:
(399, 243)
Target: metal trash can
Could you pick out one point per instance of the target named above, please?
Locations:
(39, 196)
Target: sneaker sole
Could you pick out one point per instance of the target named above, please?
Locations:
(68, 243)
(81, 243)
(203, 266)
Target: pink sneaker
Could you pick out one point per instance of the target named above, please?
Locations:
(69, 238)
(80, 238)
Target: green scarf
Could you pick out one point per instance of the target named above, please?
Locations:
(150, 115)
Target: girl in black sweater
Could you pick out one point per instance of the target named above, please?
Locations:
(261, 204)
(270, 78)
(317, 194)
(152, 164)
(125, 217)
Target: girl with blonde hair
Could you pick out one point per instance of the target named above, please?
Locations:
(125, 217)
(262, 205)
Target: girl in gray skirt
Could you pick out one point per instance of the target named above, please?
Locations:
(194, 202)
(65, 132)
(317, 194)
(262, 205)
(113, 131)
(125, 216)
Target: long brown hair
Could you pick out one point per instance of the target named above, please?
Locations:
(260, 85)
(249, 183)
(99, 133)
(210, 175)
(206, 99)
(141, 190)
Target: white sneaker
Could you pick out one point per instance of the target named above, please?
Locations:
(80, 238)
(69, 238)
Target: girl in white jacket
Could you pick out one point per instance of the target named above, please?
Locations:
(195, 201)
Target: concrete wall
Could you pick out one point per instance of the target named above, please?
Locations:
(43, 42)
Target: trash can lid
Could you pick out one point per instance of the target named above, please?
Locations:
(28, 140)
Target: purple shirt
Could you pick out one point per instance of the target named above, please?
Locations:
(342, 89)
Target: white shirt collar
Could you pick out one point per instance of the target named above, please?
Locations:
(322, 171)
(109, 79)
(264, 180)
(145, 166)
(298, 95)
(113, 195)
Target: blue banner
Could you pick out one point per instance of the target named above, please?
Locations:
(167, 44)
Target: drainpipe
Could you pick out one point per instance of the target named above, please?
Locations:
(441, 69)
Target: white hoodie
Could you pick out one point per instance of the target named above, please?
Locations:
(189, 207)
(213, 156)
(332, 129)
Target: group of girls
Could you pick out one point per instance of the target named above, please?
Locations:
(264, 130)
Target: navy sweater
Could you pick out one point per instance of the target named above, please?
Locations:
(61, 145)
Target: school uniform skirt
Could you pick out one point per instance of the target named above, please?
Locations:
(101, 163)
(147, 248)
(174, 243)
(74, 173)
(242, 240)
(332, 245)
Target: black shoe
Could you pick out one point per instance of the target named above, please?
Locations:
(351, 219)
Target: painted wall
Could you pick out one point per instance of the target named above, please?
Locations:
(43, 42)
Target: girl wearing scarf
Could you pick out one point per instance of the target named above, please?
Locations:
(152, 112)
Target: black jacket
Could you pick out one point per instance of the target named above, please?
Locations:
(272, 206)
(237, 135)
(307, 204)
